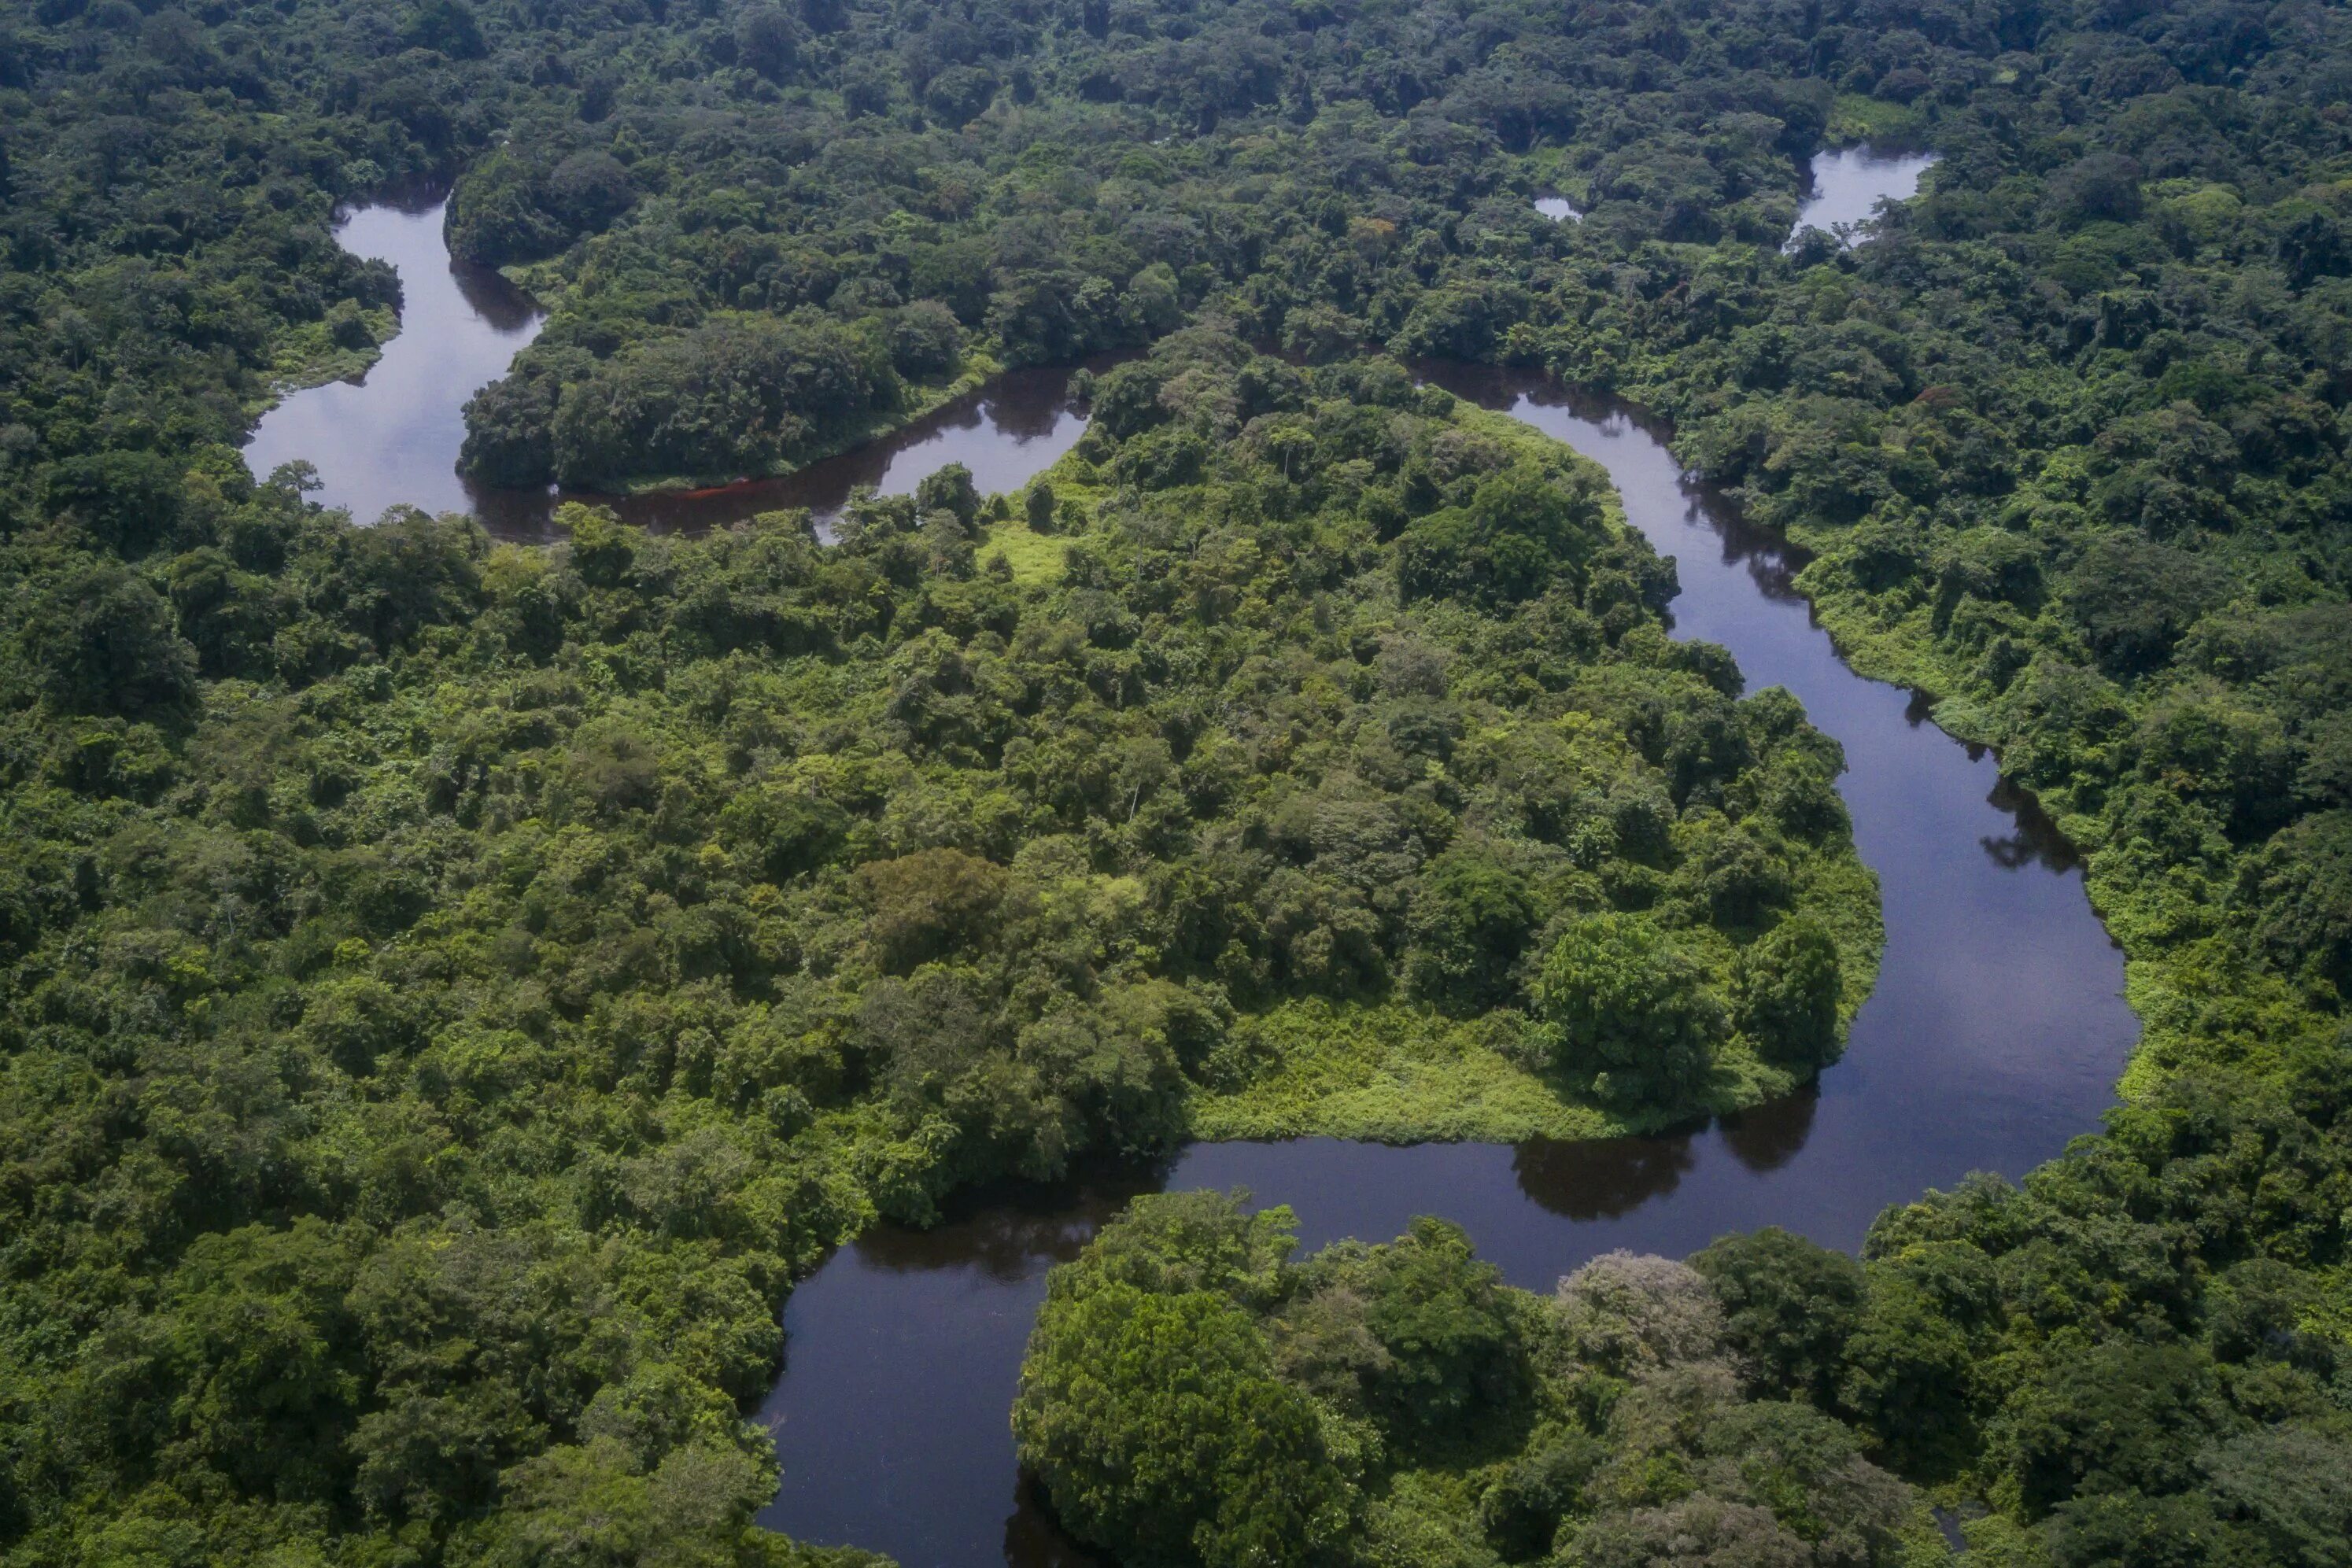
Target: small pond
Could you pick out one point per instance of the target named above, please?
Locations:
(1844, 188)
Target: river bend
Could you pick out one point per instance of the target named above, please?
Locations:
(1994, 1035)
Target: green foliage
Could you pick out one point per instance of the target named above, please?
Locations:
(1471, 923)
(1457, 1421)
(445, 987)
(1784, 993)
(1424, 1332)
(1150, 1408)
(1790, 1307)
(530, 961)
(1628, 1008)
(1515, 535)
(729, 400)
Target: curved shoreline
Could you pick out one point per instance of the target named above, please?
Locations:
(904, 1347)
(1994, 1037)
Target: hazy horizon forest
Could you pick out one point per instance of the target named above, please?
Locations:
(455, 988)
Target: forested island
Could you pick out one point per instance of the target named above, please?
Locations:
(451, 991)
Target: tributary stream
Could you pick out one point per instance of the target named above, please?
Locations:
(1995, 1033)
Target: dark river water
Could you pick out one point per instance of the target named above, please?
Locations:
(1007, 433)
(1994, 1035)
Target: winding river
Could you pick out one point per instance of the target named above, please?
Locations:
(1995, 1033)
(1994, 1036)
(1844, 189)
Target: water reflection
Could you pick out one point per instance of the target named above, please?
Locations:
(390, 438)
(1600, 1179)
(2035, 841)
(1031, 1538)
(901, 1357)
(1846, 186)
(1010, 431)
(1007, 1233)
(1993, 1035)
(1767, 1136)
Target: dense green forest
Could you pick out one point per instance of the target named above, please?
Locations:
(452, 992)
(487, 976)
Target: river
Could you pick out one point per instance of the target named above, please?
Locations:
(1994, 1035)
(390, 437)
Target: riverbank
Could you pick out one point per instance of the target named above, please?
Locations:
(2181, 978)
(1991, 1039)
(919, 401)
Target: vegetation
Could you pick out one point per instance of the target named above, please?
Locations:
(1192, 1395)
(451, 992)
(2138, 1358)
(484, 978)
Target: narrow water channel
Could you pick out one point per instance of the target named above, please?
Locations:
(1007, 433)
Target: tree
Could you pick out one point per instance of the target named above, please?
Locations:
(2135, 601)
(1038, 508)
(1454, 1369)
(2122, 1418)
(591, 1506)
(1159, 1432)
(1471, 920)
(447, 26)
(100, 640)
(949, 489)
(1785, 987)
(126, 502)
(1521, 530)
(1790, 1307)
(925, 903)
(1627, 1007)
(766, 40)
